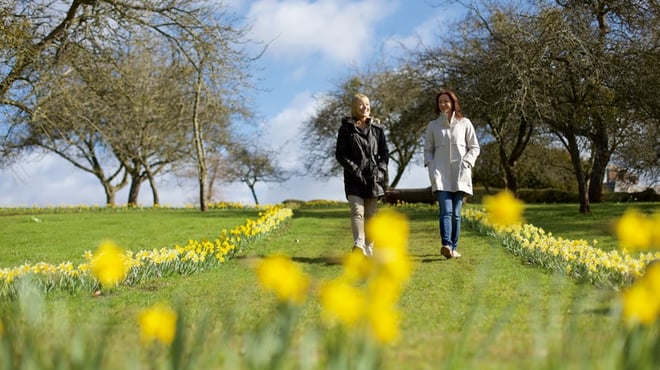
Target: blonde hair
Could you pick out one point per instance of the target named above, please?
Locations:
(355, 104)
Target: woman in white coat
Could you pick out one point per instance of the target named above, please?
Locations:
(450, 150)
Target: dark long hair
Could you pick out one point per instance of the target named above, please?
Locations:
(455, 105)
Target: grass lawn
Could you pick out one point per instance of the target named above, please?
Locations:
(486, 310)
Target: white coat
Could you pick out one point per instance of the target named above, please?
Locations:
(450, 150)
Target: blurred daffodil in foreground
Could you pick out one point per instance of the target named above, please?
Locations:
(157, 323)
(282, 276)
(641, 302)
(109, 264)
(503, 209)
(343, 302)
(366, 294)
(637, 231)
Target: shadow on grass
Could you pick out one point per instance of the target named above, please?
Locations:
(596, 311)
(321, 260)
(322, 213)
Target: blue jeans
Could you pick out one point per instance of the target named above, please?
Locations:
(449, 216)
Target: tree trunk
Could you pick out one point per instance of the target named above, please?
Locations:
(154, 188)
(134, 191)
(199, 147)
(574, 151)
(600, 138)
(254, 194)
(404, 160)
(602, 154)
(109, 196)
(509, 172)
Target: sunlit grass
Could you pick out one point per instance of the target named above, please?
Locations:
(487, 310)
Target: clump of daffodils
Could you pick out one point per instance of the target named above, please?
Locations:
(363, 298)
(366, 294)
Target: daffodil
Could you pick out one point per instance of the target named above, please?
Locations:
(640, 305)
(388, 229)
(281, 275)
(634, 230)
(157, 323)
(357, 267)
(641, 302)
(343, 302)
(503, 209)
(384, 324)
(108, 264)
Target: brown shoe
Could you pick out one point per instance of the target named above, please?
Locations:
(446, 252)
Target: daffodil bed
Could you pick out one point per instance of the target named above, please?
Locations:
(138, 266)
(575, 258)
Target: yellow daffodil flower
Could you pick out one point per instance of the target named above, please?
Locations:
(281, 275)
(388, 229)
(640, 305)
(157, 323)
(503, 209)
(634, 230)
(356, 266)
(641, 302)
(109, 264)
(342, 301)
(384, 324)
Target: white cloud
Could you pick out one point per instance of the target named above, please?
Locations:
(339, 30)
(283, 132)
(425, 34)
(48, 180)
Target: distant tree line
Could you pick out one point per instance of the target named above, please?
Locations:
(556, 89)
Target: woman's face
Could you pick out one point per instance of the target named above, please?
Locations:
(363, 108)
(444, 103)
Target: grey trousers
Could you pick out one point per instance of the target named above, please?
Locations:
(362, 209)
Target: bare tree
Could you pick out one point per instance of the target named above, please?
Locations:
(68, 126)
(42, 36)
(133, 106)
(252, 164)
(220, 74)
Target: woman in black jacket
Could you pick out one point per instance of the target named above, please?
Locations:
(362, 152)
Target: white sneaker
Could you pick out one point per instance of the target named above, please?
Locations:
(361, 248)
(455, 254)
(369, 250)
(446, 252)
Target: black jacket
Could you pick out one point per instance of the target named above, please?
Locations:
(364, 157)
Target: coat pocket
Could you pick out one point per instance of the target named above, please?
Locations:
(465, 175)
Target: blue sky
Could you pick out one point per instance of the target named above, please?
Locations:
(313, 44)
